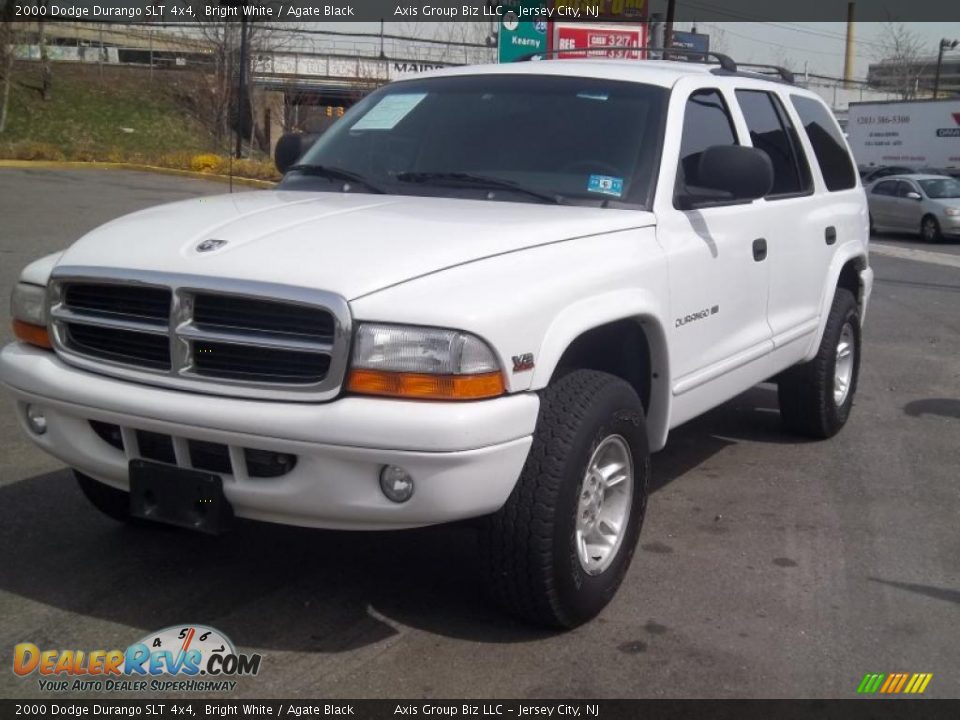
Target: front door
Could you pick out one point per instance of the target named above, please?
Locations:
(718, 274)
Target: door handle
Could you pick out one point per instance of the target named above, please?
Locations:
(759, 249)
(831, 235)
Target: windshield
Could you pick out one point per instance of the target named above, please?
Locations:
(941, 189)
(516, 138)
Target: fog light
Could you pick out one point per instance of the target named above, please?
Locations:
(396, 483)
(36, 420)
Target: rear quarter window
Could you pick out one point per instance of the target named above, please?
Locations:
(823, 132)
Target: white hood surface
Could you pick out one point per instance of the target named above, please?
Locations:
(350, 244)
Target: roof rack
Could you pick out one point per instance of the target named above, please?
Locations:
(725, 61)
(785, 75)
(727, 64)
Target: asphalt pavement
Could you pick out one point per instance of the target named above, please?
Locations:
(768, 566)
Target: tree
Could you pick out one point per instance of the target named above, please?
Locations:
(216, 97)
(46, 72)
(901, 61)
(7, 42)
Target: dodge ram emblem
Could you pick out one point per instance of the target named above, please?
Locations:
(211, 244)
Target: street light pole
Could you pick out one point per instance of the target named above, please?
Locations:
(944, 45)
(242, 93)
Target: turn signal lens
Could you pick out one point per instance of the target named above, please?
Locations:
(32, 334)
(419, 386)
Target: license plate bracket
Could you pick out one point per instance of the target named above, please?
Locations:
(187, 498)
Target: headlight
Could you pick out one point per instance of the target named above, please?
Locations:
(28, 308)
(27, 304)
(423, 363)
(952, 211)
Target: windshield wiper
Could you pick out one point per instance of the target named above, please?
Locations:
(336, 174)
(484, 182)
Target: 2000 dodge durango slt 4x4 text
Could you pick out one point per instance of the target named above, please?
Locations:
(487, 292)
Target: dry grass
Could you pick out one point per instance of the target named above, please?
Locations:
(118, 118)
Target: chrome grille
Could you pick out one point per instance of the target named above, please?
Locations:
(145, 304)
(254, 363)
(225, 337)
(219, 312)
(124, 346)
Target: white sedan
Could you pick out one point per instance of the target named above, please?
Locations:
(924, 204)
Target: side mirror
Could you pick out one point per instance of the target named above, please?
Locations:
(729, 173)
(913, 195)
(290, 148)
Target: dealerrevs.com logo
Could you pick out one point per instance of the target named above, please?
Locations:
(180, 658)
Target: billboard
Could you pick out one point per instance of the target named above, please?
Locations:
(922, 133)
(573, 40)
(689, 41)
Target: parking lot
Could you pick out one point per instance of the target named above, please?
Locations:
(768, 566)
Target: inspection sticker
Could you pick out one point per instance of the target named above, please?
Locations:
(606, 185)
(388, 112)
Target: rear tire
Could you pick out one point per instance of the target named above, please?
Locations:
(816, 397)
(930, 229)
(555, 554)
(108, 500)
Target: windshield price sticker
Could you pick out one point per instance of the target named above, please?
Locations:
(388, 112)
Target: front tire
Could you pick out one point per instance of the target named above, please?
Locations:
(558, 550)
(930, 229)
(816, 397)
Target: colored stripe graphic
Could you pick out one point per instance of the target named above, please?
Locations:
(894, 683)
(870, 683)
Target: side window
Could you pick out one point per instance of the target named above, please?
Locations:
(904, 187)
(887, 187)
(706, 122)
(771, 131)
(824, 134)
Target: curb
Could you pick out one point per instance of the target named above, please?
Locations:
(69, 165)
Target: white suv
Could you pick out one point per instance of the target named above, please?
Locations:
(487, 292)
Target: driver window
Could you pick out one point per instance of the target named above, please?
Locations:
(903, 188)
(706, 122)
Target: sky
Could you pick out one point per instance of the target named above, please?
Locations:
(818, 47)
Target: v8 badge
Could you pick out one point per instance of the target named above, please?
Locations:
(522, 363)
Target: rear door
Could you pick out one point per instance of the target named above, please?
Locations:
(838, 216)
(793, 220)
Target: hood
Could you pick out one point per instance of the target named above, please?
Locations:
(350, 244)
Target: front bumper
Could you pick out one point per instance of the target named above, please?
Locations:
(464, 457)
(950, 225)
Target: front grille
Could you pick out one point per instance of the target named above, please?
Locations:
(212, 457)
(127, 301)
(220, 312)
(259, 364)
(155, 446)
(123, 346)
(245, 339)
(109, 433)
(201, 455)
